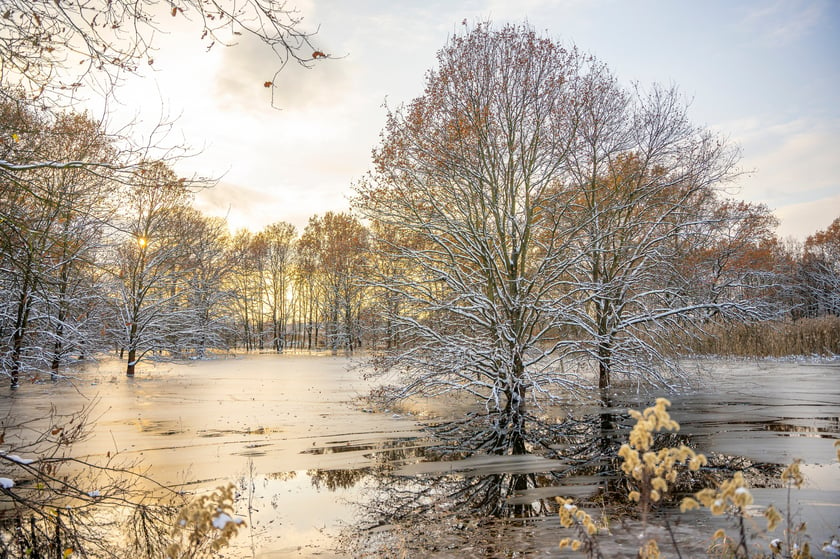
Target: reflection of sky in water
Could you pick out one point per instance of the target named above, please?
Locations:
(199, 424)
(290, 519)
(766, 412)
(202, 424)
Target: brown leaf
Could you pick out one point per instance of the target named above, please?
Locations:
(174, 11)
(318, 54)
(268, 84)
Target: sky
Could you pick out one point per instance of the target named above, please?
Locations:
(765, 74)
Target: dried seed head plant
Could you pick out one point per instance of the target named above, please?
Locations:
(651, 474)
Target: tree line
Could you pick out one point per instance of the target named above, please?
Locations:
(114, 260)
(527, 209)
(119, 260)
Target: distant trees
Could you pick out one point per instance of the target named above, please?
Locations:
(336, 251)
(206, 265)
(245, 285)
(279, 239)
(735, 248)
(818, 274)
(303, 292)
(308, 291)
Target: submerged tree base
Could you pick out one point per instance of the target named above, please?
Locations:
(461, 494)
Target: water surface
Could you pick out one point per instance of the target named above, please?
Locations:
(305, 454)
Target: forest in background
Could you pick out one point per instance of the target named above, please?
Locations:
(109, 260)
(525, 197)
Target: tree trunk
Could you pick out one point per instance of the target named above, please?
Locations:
(132, 349)
(56, 360)
(604, 355)
(62, 316)
(511, 423)
(21, 323)
(132, 355)
(605, 351)
(515, 417)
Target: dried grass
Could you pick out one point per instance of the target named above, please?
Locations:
(806, 336)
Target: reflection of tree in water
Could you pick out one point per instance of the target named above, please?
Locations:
(464, 504)
(332, 480)
(420, 515)
(423, 513)
(282, 476)
(469, 505)
(385, 456)
(824, 427)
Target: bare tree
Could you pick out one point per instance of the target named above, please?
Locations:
(339, 245)
(279, 242)
(245, 257)
(385, 305)
(308, 291)
(541, 213)
(145, 271)
(55, 47)
(51, 223)
(466, 175)
(648, 190)
(199, 302)
(83, 207)
(819, 272)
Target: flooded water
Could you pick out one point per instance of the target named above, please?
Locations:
(313, 467)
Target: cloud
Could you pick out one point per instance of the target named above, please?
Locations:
(253, 208)
(793, 167)
(806, 218)
(793, 161)
(515, 12)
(784, 21)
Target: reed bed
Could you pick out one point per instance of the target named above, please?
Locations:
(803, 337)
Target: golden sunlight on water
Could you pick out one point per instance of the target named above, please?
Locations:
(305, 455)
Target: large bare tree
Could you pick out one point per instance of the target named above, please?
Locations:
(465, 178)
(539, 211)
(647, 187)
